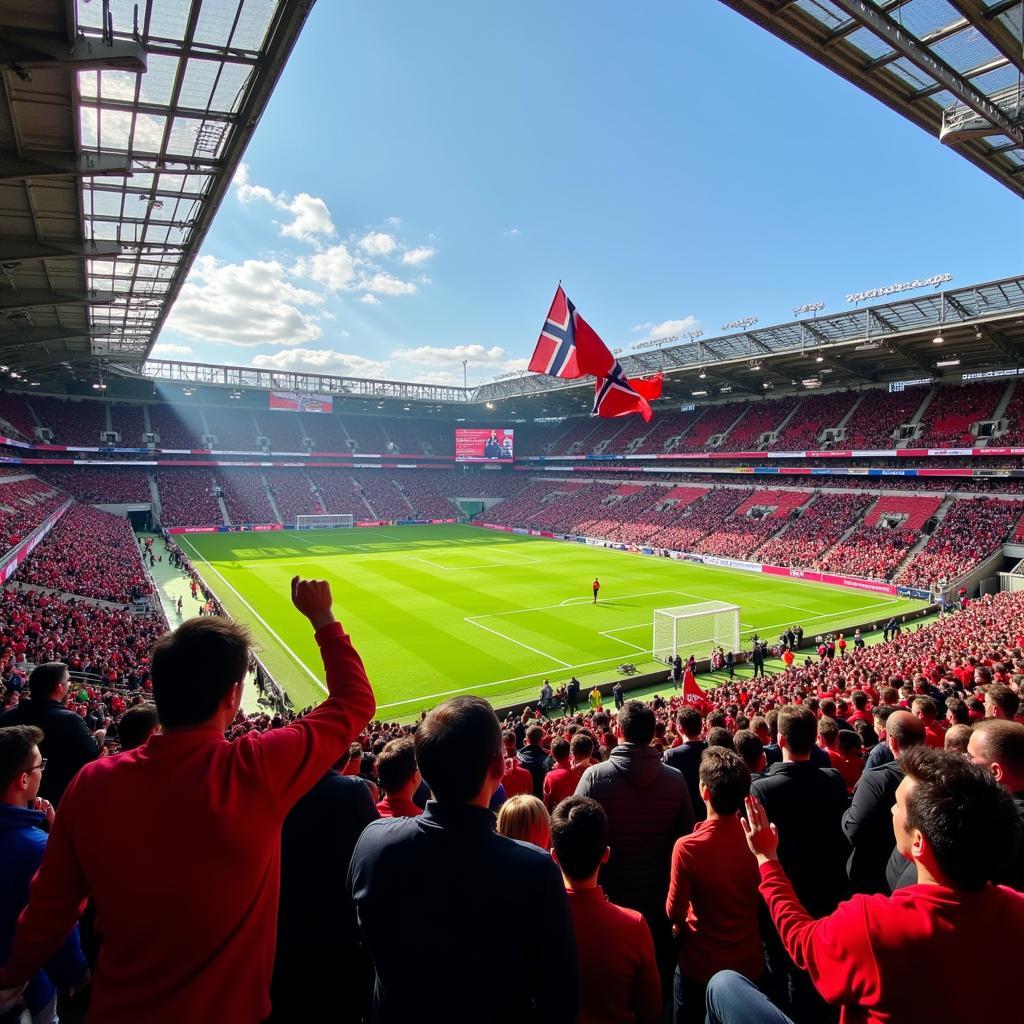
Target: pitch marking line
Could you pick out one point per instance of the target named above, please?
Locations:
(618, 639)
(262, 621)
(485, 565)
(472, 620)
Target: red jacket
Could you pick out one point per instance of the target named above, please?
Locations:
(618, 976)
(713, 899)
(560, 783)
(398, 807)
(895, 959)
(178, 843)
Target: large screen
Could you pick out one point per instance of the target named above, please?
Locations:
(486, 445)
(301, 401)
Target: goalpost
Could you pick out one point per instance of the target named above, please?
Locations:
(324, 522)
(695, 629)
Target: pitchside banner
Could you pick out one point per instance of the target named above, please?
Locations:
(300, 401)
(486, 445)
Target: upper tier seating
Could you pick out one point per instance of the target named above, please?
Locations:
(816, 412)
(821, 525)
(97, 486)
(176, 426)
(14, 411)
(878, 415)
(948, 418)
(233, 427)
(72, 422)
(129, 422)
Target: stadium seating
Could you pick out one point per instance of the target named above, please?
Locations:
(815, 413)
(14, 411)
(176, 426)
(187, 498)
(72, 422)
(820, 526)
(762, 417)
(742, 534)
(283, 430)
(325, 431)
(367, 433)
(293, 493)
(952, 410)
(879, 413)
(913, 512)
(339, 495)
(234, 428)
(129, 422)
(245, 497)
(90, 553)
(98, 486)
(427, 500)
(716, 420)
(24, 504)
(700, 517)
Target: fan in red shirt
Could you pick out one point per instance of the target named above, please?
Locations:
(399, 779)
(934, 734)
(618, 976)
(958, 826)
(516, 779)
(571, 760)
(712, 898)
(192, 936)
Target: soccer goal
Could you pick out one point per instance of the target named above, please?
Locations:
(695, 629)
(324, 522)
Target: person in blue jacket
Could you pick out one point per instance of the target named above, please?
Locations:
(24, 819)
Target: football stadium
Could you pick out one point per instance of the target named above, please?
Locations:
(358, 598)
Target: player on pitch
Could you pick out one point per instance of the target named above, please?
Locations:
(596, 588)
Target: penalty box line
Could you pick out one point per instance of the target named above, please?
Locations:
(259, 618)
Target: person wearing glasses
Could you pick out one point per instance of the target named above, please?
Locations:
(25, 819)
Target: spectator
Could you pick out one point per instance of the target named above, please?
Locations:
(955, 823)
(712, 899)
(686, 757)
(24, 819)
(1000, 702)
(957, 738)
(67, 742)
(319, 952)
(998, 745)
(533, 757)
(210, 953)
(618, 976)
(399, 779)
(924, 708)
(425, 889)
(868, 822)
(516, 779)
(524, 817)
(562, 780)
(136, 725)
(812, 849)
(751, 749)
(648, 808)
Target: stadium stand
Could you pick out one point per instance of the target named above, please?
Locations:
(234, 428)
(15, 412)
(762, 418)
(814, 414)
(71, 422)
(338, 494)
(129, 422)
(293, 493)
(24, 504)
(759, 517)
(820, 526)
(716, 420)
(245, 497)
(874, 421)
(97, 486)
(950, 414)
(367, 434)
(176, 426)
(325, 431)
(187, 498)
(282, 429)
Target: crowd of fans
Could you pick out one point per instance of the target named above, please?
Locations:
(820, 526)
(89, 553)
(874, 552)
(100, 486)
(948, 417)
(773, 849)
(187, 498)
(24, 504)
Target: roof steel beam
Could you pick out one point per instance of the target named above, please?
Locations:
(985, 21)
(21, 250)
(932, 37)
(24, 50)
(39, 164)
(874, 18)
(33, 298)
(982, 69)
(46, 336)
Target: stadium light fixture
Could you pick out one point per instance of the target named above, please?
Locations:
(702, 375)
(697, 393)
(938, 339)
(766, 383)
(490, 405)
(726, 389)
(819, 358)
(947, 362)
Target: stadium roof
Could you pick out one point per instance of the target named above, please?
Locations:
(117, 144)
(953, 67)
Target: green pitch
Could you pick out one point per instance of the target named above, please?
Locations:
(440, 610)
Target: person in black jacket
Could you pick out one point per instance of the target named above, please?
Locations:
(649, 808)
(686, 757)
(319, 951)
(533, 757)
(868, 822)
(572, 695)
(806, 805)
(67, 742)
(426, 891)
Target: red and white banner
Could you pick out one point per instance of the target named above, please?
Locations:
(300, 401)
(850, 582)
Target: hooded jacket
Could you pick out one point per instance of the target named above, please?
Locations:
(534, 759)
(649, 808)
(22, 843)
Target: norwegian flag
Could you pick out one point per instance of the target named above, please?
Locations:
(568, 347)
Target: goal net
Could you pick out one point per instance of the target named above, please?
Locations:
(695, 629)
(324, 522)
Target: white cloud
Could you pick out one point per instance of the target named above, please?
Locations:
(167, 348)
(334, 267)
(667, 327)
(440, 377)
(370, 300)
(476, 354)
(321, 360)
(413, 257)
(393, 221)
(513, 233)
(250, 303)
(378, 243)
(384, 284)
(311, 219)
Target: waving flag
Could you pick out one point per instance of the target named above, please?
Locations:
(694, 695)
(568, 347)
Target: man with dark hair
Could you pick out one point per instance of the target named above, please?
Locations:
(807, 804)
(712, 897)
(1000, 702)
(934, 735)
(954, 822)
(686, 757)
(533, 757)
(24, 817)
(618, 976)
(648, 808)
(67, 742)
(998, 745)
(720, 737)
(399, 778)
(563, 779)
(425, 890)
(206, 947)
(868, 822)
(136, 725)
(750, 748)
(572, 695)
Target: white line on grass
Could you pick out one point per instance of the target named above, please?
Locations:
(472, 620)
(618, 639)
(485, 565)
(262, 621)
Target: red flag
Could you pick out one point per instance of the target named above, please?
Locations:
(568, 346)
(694, 695)
(617, 395)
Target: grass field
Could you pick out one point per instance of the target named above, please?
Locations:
(438, 610)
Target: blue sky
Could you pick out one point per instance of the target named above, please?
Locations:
(425, 174)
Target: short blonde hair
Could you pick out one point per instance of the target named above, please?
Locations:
(525, 817)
